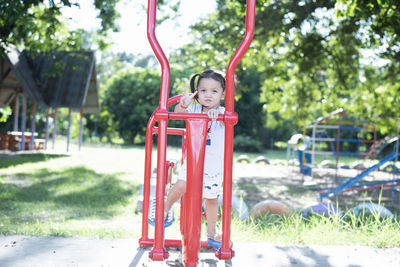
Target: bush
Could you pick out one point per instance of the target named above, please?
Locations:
(247, 144)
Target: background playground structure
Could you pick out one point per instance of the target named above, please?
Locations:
(337, 134)
(368, 164)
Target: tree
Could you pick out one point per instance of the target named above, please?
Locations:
(4, 113)
(40, 26)
(249, 106)
(380, 32)
(310, 56)
(130, 99)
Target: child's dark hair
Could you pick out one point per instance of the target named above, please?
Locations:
(206, 74)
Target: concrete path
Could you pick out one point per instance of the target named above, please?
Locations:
(58, 251)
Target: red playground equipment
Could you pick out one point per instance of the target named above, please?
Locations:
(193, 139)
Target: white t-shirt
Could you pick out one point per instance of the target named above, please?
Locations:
(214, 155)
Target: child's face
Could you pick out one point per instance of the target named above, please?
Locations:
(210, 93)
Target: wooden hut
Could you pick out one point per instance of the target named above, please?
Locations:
(54, 80)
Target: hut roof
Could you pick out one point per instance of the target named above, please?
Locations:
(16, 76)
(58, 79)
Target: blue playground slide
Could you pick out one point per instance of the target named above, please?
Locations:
(364, 173)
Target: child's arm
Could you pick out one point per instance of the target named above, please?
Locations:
(180, 108)
(184, 102)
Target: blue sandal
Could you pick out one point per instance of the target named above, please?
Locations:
(168, 220)
(216, 244)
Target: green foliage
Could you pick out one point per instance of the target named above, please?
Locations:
(247, 144)
(63, 121)
(103, 124)
(249, 107)
(307, 59)
(4, 113)
(108, 14)
(40, 26)
(167, 10)
(131, 97)
(110, 63)
(311, 58)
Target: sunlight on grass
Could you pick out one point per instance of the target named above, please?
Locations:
(319, 230)
(94, 193)
(87, 194)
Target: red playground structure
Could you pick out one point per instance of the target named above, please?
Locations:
(193, 140)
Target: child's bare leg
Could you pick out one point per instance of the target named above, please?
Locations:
(212, 216)
(174, 194)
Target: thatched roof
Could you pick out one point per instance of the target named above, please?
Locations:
(57, 80)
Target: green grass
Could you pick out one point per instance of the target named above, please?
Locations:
(320, 230)
(94, 193)
(65, 201)
(10, 160)
(280, 157)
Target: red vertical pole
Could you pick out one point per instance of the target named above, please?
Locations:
(165, 74)
(230, 72)
(158, 252)
(182, 215)
(146, 184)
(225, 252)
(183, 199)
(196, 138)
(161, 115)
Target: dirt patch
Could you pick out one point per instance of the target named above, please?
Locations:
(259, 182)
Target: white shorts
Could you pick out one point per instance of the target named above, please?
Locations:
(212, 184)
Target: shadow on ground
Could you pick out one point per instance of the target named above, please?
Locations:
(70, 193)
(11, 159)
(206, 258)
(289, 191)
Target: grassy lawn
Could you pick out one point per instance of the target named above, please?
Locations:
(94, 193)
(91, 193)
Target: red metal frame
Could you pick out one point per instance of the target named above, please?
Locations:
(194, 139)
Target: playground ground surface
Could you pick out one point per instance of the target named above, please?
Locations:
(285, 184)
(255, 182)
(38, 251)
